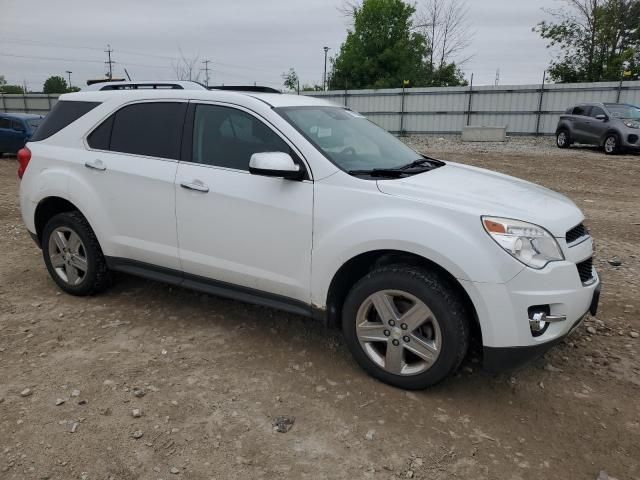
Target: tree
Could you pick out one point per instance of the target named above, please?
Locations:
(55, 84)
(445, 25)
(9, 89)
(597, 40)
(387, 45)
(187, 68)
(291, 81)
(381, 50)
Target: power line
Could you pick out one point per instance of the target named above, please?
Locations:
(109, 62)
(206, 71)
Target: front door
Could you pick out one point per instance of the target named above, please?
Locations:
(595, 128)
(234, 227)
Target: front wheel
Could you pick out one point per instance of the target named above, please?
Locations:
(406, 326)
(562, 139)
(612, 144)
(73, 255)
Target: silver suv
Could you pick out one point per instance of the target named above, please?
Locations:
(612, 126)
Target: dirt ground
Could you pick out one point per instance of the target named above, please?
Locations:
(209, 375)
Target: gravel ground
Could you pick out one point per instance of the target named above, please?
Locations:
(154, 382)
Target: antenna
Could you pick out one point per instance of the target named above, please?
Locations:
(497, 77)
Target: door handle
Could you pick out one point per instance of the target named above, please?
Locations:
(96, 165)
(196, 185)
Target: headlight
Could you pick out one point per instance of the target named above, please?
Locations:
(526, 242)
(631, 124)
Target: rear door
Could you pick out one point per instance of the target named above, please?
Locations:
(234, 227)
(131, 166)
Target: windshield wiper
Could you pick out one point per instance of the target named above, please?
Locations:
(421, 162)
(417, 166)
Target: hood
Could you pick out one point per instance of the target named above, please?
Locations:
(483, 192)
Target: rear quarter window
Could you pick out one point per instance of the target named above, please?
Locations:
(61, 115)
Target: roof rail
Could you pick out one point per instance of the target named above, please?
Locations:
(245, 88)
(145, 85)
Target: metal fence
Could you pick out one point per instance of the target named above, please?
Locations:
(523, 109)
(38, 103)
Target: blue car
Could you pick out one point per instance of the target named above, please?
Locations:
(16, 129)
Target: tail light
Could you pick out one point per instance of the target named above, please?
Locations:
(24, 155)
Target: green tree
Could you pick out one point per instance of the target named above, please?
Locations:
(9, 89)
(597, 40)
(55, 84)
(381, 49)
(291, 81)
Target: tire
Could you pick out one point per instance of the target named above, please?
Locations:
(563, 139)
(69, 245)
(444, 335)
(611, 144)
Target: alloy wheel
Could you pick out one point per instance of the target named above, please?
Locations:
(610, 144)
(398, 332)
(68, 255)
(562, 139)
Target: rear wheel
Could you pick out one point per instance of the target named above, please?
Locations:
(563, 140)
(73, 255)
(612, 144)
(405, 326)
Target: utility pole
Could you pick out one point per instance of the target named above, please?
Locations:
(109, 62)
(206, 72)
(69, 72)
(324, 78)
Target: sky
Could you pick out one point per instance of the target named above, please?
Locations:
(246, 41)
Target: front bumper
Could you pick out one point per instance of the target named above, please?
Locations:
(502, 359)
(504, 310)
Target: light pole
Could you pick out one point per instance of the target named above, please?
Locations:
(324, 78)
(69, 72)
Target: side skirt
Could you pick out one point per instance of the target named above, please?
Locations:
(207, 285)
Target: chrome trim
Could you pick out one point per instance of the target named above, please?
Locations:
(578, 240)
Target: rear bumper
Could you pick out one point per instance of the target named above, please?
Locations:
(504, 359)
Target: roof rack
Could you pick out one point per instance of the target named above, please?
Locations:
(245, 88)
(145, 85)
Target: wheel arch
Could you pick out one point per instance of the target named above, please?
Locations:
(357, 267)
(47, 208)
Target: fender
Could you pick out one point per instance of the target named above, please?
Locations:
(469, 257)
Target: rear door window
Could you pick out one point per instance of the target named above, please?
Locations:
(5, 123)
(61, 115)
(152, 129)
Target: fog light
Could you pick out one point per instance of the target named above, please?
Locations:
(540, 318)
(538, 323)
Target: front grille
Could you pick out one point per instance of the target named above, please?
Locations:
(585, 270)
(577, 232)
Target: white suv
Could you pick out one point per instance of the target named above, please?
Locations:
(298, 204)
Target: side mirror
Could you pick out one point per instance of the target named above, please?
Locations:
(275, 164)
(602, 117)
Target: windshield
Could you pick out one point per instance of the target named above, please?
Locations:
(624, 111)
(348, 139)
(34, 122)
